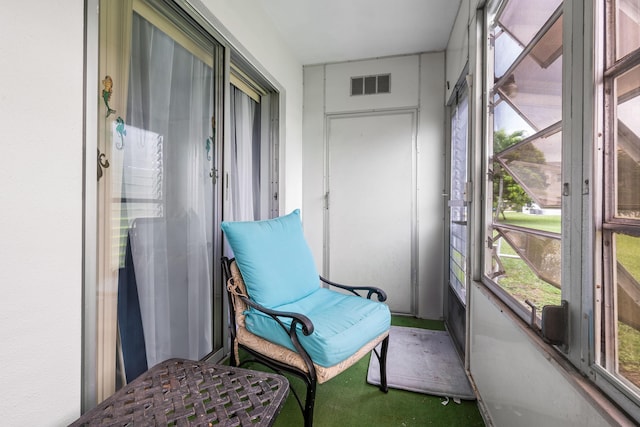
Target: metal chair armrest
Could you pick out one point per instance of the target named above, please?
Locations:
(371, 290)
(304, 321)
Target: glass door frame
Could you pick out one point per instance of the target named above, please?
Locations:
(454, 304)
(91, 305)
(272, 127)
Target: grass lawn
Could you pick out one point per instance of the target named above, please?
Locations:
(550, 223)
(627, 249)
(523, 284)
(520, 281)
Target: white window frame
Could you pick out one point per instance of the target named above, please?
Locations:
(600, 113)
(492, 9)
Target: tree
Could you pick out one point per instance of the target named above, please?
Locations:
(508, 191)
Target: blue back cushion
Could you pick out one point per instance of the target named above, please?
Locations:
(273, 256)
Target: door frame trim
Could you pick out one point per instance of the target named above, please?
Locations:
(414, 292)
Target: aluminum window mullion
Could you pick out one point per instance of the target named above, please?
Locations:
(606, 357)
(628, 227)
(623, 64)
(531, 231)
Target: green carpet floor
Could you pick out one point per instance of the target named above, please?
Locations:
(349, 401)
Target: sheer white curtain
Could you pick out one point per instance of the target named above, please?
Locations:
(170, 196)
(245, 157)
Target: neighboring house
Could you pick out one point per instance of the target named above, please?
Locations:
(401, 165)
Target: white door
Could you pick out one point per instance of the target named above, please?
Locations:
(371, 203)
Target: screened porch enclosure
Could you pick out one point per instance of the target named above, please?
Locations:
(157, 207)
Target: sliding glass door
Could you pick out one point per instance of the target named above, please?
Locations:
(159, 294)
(250, 166)
(245, 162)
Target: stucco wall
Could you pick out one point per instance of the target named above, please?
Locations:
(519, 383)
(41, 50)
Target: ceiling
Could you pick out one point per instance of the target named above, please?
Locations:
(323, 31)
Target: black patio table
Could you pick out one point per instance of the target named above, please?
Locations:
(181, 392)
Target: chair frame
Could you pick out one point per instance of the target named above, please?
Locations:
(309, 377)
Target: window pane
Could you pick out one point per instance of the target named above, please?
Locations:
(535, 165)
(535, 91)
(141, 183)
(526, 250)
(171, 98)
(541, 251)
(370, 85)
(508, 120)
(384, 83)
(524, 18)
(357, 86)
(506, 50)
(155, 281)
(627, 27)
(246, 187)
(526, 263)
(549, 47)
(628, 144)
(628, 307)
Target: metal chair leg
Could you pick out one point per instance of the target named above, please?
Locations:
(309, 403)
(383, 365)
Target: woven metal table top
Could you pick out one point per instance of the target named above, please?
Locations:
(181, 392)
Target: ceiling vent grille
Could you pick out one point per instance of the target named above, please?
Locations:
(371, 85)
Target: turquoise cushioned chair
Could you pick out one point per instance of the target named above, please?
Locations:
(286, 316)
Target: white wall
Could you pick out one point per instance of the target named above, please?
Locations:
(457, 53)
(431, 186)
(416, 82)
(405, 78)
(520, 384)
(41, 109)
(41, 178)
(313, 160)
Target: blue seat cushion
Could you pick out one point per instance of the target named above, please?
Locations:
(342, 324)
(273, 256)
